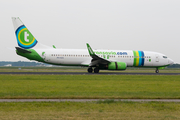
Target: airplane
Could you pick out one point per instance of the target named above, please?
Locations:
(94, 60)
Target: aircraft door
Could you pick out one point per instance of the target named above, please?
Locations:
(157, 58)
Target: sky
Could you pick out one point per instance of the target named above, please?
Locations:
(148, 25)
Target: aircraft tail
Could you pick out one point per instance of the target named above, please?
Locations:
(24, 37)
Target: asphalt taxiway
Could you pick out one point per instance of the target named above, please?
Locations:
(89, 100)
(86, 73)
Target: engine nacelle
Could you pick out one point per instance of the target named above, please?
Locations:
(117, 66)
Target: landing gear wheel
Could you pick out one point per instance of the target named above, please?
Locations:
(90, 70)
(157, 71)
(96, 70)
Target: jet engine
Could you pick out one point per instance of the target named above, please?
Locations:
(117, 66)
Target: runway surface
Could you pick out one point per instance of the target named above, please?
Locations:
(86, 73)
(88, 100)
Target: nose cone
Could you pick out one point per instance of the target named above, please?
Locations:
(170, 61)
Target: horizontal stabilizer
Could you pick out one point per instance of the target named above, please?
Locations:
(22, 50)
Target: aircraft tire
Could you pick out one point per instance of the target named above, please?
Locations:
(96, 70)
(90, 70)
(157, 71)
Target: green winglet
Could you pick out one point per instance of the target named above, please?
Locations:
(91, 52)
(54, 46)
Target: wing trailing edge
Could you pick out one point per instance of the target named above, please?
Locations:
(96, 59)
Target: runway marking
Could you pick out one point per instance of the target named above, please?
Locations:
(88, 100)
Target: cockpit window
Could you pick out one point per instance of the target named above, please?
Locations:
(164, 56)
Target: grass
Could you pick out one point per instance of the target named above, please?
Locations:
(89, 110)
(89, 86)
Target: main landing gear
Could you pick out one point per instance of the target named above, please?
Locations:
(157, 71)
(90, 70)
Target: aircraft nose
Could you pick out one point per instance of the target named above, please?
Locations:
(170, 61)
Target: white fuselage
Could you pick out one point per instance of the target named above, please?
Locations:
(81, 57)
(30, 48)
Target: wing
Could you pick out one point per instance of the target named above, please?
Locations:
(96, 60)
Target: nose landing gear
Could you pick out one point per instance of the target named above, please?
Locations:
(157, 71)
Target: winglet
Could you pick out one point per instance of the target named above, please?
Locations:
(91, 52)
